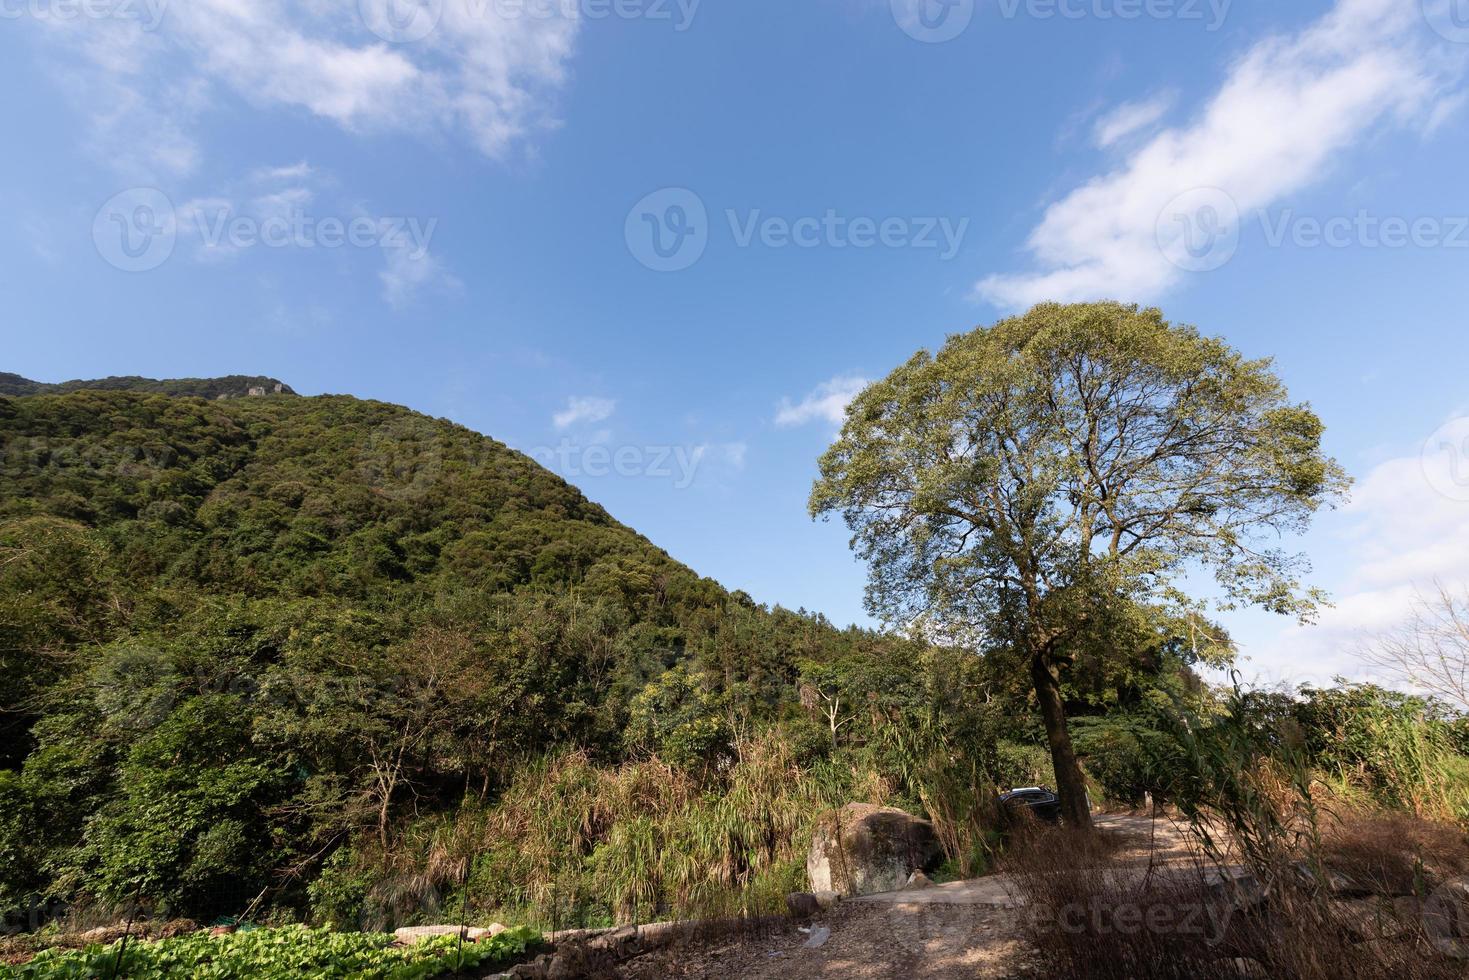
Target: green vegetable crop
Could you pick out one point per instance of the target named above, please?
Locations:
(289, 952)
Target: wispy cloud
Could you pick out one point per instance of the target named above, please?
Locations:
(730, 454)
(1286, 110)
(408, 271)
(1131, 118)
(828, 402)
(490, 77)
(1404, 534)
(291, 172)
(290, 213)
(584, 410)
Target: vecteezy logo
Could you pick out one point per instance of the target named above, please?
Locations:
(1446, 459)
(136, 230)
(668, 230)
(935, 931)
(401, 21)
(933, 21)
(1446, 918)
(1450, 18)
(1198, 230)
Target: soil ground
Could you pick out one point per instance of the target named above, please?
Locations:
(971, 930)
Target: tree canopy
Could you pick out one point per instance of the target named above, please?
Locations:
(1035, 481)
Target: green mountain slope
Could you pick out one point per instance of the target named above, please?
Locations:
(239, 637)
(305, 496)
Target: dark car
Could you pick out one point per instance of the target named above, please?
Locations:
(1039, 801)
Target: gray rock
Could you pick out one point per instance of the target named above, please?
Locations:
(1240, 891)
(864, 849)
(803, 905)
(1366, 919)
(528, 971)
(1335, 883)
(827, 900)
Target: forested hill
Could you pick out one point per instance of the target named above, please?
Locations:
(319, 496)
(289, 624)
(233, 386)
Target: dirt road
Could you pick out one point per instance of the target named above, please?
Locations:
(967, 930)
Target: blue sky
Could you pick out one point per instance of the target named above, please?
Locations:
(452, 204)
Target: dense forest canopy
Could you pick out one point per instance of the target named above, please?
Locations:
(239, 635)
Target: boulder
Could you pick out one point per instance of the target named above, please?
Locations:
(803, 905)
(827, 900)
(864, 849)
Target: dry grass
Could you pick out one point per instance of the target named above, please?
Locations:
(1394, 854)
(572, 844)
(1093, 919)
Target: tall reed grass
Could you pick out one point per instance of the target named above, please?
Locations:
(572, 844)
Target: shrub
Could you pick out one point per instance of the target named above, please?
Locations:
(1024, 764)
(1123, 754)
(1390, 746)
(681, 718)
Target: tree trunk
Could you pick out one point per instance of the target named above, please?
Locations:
(1070, 785)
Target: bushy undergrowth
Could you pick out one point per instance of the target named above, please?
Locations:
(571, 843)
(1381, 748)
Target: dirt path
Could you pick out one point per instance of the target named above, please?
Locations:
(968, 929)
(868, 941)
(1163, 839)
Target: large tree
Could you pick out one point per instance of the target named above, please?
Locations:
(1036, 479)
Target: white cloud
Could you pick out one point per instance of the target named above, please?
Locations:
(408, 271)
(730, 454)
(1403, 534)
(283, 203)
(489, 76)
(292, 172)
(291, 218)
(1131, 118)
(828, 402)
(584, 410)
(1288, 107)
